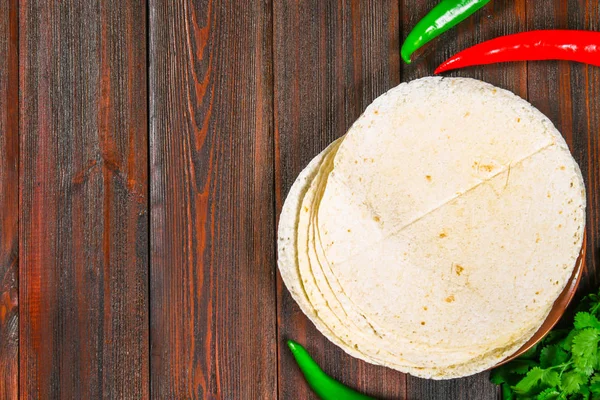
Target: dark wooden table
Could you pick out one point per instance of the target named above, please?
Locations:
(145, 152)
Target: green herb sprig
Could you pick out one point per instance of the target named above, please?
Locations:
(565, 365)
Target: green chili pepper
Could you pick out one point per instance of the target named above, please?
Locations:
(323, 385)
(447, 14)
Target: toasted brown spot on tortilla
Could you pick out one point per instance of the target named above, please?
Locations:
(467, 114)
(428, 177)
(486, 167)
(425, 308)
(443, 235)
(562, 167)
(422, 322)
(450, 299)
(376, 218)
(459, 269)
(518, 119)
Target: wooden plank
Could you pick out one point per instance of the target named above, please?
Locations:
(83, 200)
(500, 17)
(332, 58)
(9, 199)
(567, 92)
(212, 220)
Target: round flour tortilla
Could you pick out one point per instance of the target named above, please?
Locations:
(435, 236)
(288, 266)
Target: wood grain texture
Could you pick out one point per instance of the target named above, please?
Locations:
(212, 219)
(332, 58)
(9, 200)
(83, 200)
(567, 93)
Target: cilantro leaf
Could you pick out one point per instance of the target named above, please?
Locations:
(567, 342)
(571, 381)
(553, 355)
(550, 378)
(537, 375)
(500, 375)
(586, 320)
(565, 365)
(548, 394)
(585, 350)
(507, 393)
(594, 302)
(592, 297)
(511, 372)
(532, 353)
(532, 378)
(595, 384)
(584, 390)
(521, 367)
(554, 336)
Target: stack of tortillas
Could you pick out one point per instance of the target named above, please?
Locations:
(435, 236)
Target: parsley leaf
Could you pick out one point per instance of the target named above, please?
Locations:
(585, 350)
(571, 381)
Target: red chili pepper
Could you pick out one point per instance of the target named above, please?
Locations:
(581, 46)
